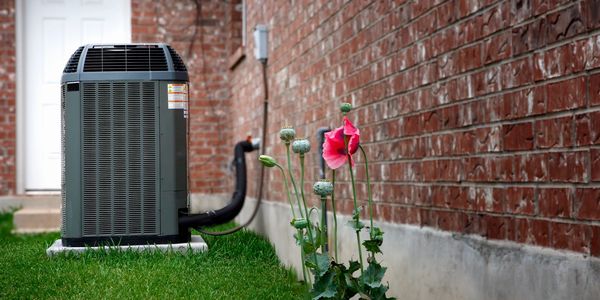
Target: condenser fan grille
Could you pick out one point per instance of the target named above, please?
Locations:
(119, 158)
(125, 58)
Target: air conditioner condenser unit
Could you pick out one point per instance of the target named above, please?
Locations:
(124, 164)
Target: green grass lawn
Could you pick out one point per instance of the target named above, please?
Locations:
(239, 266)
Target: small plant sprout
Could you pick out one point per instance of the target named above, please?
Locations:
(332, 279)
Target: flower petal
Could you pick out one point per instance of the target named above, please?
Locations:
(349, 128)
(334, 151)
(334, 161)
(353, 142)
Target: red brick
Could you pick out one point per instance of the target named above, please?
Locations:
(587, 204)
(517, 73)
(497, 48)
(539, 232)
(566, 59)
(594, 89)
(531, 168)
(529, 37)
(595, 241)
(595, 164)
(588, 128)
(567, 94)
(487, 139)
(551, 133)
(520, 200)
(564, 24)
(496, 227)
(554, 202)
(567, 166)
(591, 9)
(517, 136)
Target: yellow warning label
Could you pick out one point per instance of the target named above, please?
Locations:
(177, 95)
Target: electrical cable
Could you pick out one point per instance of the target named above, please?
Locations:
(262, 168)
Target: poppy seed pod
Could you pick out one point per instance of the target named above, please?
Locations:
(323, 188)
(287, 134)
(301, 146)
(345, 107)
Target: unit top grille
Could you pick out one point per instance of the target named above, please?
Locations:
(125, 58)
(178, 64)
(71, 66)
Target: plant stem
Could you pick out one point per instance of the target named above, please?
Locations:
(356, 211)
(324, 237)
(301, 235)
(310, 235)
(289, 162)
(334, 216)
(287, 189)
(368, 189)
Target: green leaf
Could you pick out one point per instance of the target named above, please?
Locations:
(346, 284)
(356, 225)
(379, 293)
(373, 274)
(376, 233)
(354, 266)
(324, 287)
(373, 245)
(318, 262)
(309, 248)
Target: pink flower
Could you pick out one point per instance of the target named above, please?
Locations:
(334, 149)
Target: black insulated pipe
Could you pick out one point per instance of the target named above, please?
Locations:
(231, 210)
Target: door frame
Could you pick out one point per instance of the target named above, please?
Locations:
(20, 99)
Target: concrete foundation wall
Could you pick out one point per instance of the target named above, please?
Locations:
(425, 263)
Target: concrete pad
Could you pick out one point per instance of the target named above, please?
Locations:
(39, 201)
(37, 220)
(196, 245)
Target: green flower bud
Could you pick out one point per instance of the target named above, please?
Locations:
(267, 161)
(287, 134)
(299, 223)
(323, 188)
(301, 146)
(345, 107)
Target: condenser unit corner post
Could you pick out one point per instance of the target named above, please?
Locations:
(124, 174)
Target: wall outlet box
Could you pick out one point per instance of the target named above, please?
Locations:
(260, 42)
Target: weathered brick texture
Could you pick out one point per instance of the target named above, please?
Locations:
(480, 117)
(197, 30)
(7, 98)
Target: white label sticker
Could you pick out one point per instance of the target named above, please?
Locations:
(177, 95)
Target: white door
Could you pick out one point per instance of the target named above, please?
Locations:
(52, 31)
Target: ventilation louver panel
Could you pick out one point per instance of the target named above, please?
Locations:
(125, 58)
(71, 66)
(178, 64)
(120, 129)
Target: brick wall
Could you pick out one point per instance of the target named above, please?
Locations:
(480, 117)
(197, 30)
(7, 97)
